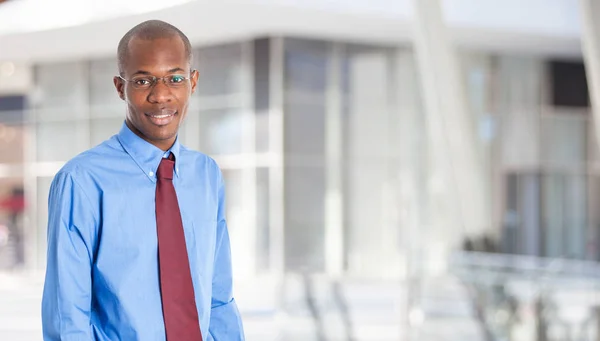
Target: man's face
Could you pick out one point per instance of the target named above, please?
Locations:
(155, 111)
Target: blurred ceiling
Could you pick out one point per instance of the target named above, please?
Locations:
(35, 30)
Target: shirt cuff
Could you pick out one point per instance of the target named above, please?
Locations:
(226, 323)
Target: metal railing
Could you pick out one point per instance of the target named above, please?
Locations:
(556, 298)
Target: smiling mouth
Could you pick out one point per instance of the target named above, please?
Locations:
(160, 116)
(163, 117)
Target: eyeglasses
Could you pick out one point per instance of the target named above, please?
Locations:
(146, 82)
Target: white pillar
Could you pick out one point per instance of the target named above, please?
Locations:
(458, 204)
(590, 41)
(334, 229)
(276, 169)
(412, 204)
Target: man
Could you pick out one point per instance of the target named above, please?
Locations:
(138, 247)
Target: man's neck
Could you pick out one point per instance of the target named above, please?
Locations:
(163, 145)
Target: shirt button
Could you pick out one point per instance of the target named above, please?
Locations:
(151, 173)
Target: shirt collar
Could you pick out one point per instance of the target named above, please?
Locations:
(146, 155)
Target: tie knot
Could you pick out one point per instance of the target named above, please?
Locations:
(165, 169)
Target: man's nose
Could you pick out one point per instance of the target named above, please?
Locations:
(160, 92)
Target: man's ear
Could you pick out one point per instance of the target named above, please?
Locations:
(194, 79)
(120, 86)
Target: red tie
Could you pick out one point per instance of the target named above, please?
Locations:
(176, 288)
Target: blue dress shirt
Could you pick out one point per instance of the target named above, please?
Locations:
(102, 280)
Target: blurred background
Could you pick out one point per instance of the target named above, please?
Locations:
(395, 169)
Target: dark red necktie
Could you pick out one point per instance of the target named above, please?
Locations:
(176, 288)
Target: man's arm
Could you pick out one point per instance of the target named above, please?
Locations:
(66, 301)
(225, 320)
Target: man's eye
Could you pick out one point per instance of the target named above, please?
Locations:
(177, 79)
(142, 81)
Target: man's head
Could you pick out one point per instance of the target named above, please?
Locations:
(155, 80)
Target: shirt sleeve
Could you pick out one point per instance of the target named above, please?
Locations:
(67, 296)
(225, 319)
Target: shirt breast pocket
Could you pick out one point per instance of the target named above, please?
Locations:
(200, 237)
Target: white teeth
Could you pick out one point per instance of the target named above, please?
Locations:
(161, 116)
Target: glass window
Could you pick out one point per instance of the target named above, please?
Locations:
(522, 219)
(104, 100)
(593, 234)
(102, 129)
(233, 183)
(62, 87)
(241, 229)
(305, 217)
(519, 82)
(306, 66)
(593, 154)
(305, 129)
(369, 163)
(222, 131)
(12, 138)
(520, 138)
(564, 140)
(220, 69)
(518, 88)
(305, 78)
(263, 243)
(262, 68)
(61, 141)
(12, 230)
(576, 219)
(262, 132)
(564, 215)
(553, 215)
(12, 109)
(43, 190)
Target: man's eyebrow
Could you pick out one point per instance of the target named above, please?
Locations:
(142, 72)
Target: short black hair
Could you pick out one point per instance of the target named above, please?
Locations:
(150, 30)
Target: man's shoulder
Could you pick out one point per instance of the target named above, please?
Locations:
(93, 158)
(200, 160)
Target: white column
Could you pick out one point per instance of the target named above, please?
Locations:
(276, 171)
(459, 205)
(590, 41)
(412, 204)
(245, 251)
(371, 179)
(334, 230)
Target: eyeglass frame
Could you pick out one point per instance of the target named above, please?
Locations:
(155, 80)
